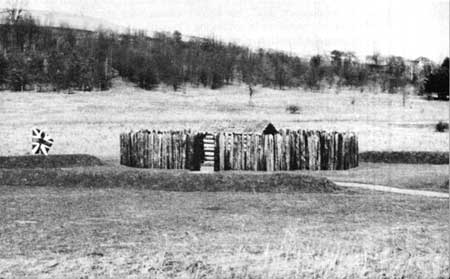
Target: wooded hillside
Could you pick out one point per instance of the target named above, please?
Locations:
(49, 58)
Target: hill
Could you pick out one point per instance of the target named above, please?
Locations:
(80, 22)
(49, 58)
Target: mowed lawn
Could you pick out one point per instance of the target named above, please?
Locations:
(90, 122)
(51, 232)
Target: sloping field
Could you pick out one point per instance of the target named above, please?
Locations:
(90, 123)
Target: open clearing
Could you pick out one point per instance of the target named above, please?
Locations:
(131, 231)
(74, 232)
(90, 122)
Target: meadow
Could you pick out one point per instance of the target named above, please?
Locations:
(64, 232)
(110, 221)
(90, 122)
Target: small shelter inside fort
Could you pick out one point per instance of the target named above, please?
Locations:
(209, 143)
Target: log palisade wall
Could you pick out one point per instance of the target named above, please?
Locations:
(288, 150)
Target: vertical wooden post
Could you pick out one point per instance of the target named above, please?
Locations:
(189, 150)
(340, 157)
(329, 140)
(164, 141)
(317, 147)
(250, 151)
(170, 155)
(330, 150)
(133, 149)
(179, 138)
(166, 153)
(261, 159)
(346, 151)
(312, 150)
(350, 151)
(357, 151)
(269, 153)
(229, 145)
(282, 150)
(155, 147)
(162, 148)
(240, 161)
(274, 152)
(174, 148)
(287, 150)
(234, 152)
(220, 143)
(292, 151)
(158, 146)
(140, 135)
(130, 148)
(146, 149)
(255, 154)
(244, 151)
(265, 151)
(228, 150)
(304, 150)
(183, 150)
(122, 148)
(323, 151)
(216, 152)
(336, 151)
(151, 151)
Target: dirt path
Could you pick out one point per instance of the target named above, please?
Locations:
(392, 189)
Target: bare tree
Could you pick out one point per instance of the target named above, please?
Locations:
(14, 10)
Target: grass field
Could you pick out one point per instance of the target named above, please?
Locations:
(50, 232)
(91, 122)
(115, 222)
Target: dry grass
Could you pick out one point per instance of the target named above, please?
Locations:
(68, 232)
(91, 122)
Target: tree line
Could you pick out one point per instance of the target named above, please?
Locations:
(49, 58)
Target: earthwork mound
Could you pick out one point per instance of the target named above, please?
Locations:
(51, 161)
(405, 157)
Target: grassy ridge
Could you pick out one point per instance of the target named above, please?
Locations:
(51, 161)
(404, 157)
(100, 177)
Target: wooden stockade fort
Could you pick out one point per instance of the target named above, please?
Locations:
(274, 150)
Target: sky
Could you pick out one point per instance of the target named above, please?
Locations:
(410, 28)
